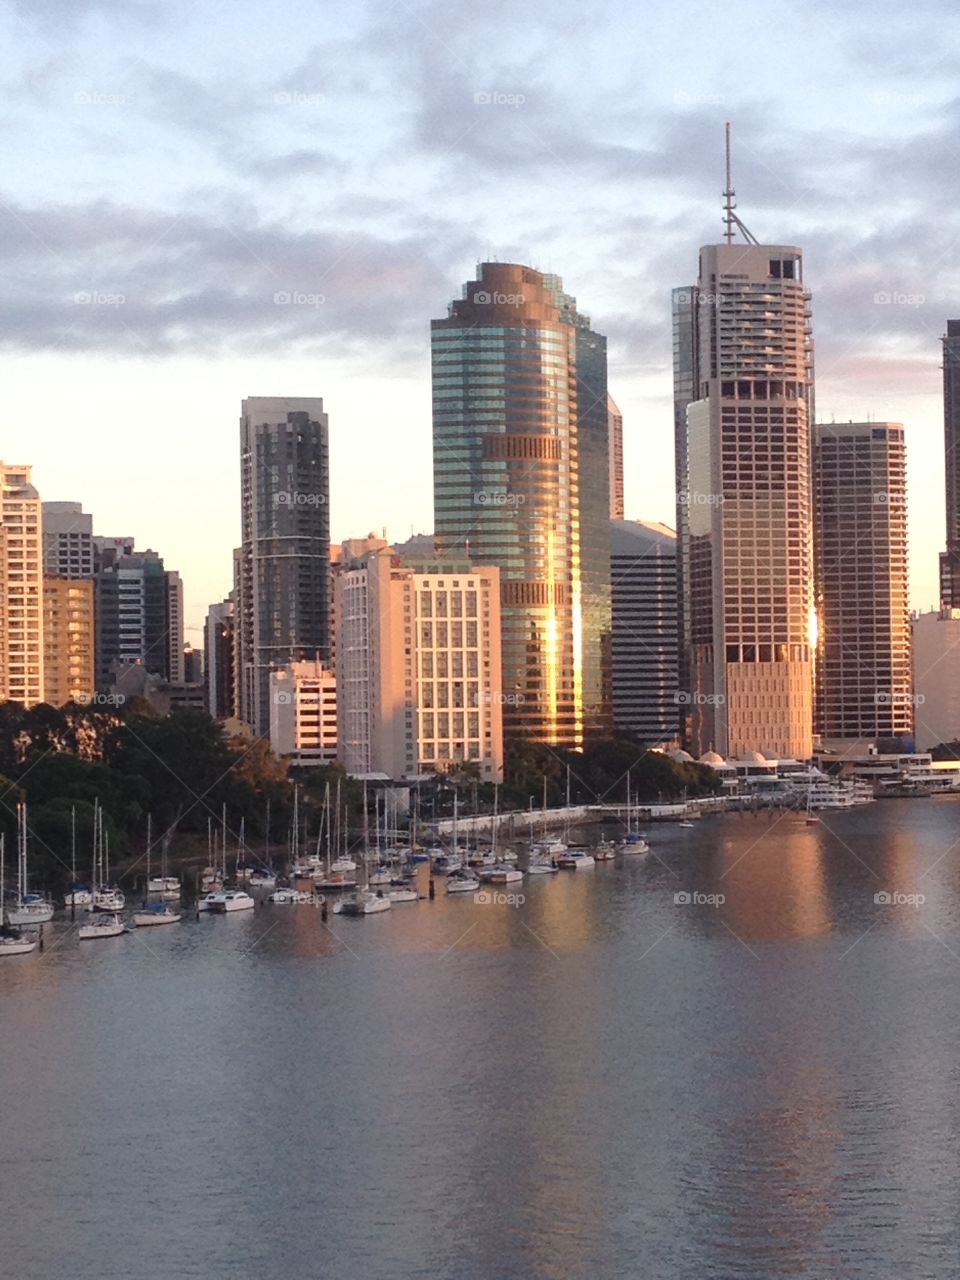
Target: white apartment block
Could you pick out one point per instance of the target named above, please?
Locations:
(303, 713)
(418, 667)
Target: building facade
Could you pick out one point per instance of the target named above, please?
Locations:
(643, 583)
(133, 625)
(744, 353)
(69, 638)
(419, 685)
(21, 588)
(283, 600)
(864, 686)
(615, 449)
(218, 659)
(68, 550)
(935, 643)
(303, 713)
(950, 559)
(522, 482)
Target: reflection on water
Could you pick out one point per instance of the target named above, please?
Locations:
(736, 1057)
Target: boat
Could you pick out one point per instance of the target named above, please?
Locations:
(686, 824)
(291, 897)
(169, 886)
(461, 882)
(232, 900)
(109, 898)
(547, 848)
(262, 880)
(605, 852)
(402, 893)
(633, 843)
(444, 863)
(102, 924)
(155, 913)
(501, 874)
(12, 941)
(208, 901)
(575, 860)
(78, 895)
(362, 903)
(343, 865)
(30, 908)
(541, 867)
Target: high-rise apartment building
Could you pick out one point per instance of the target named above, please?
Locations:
(744, 388)
(133, 624)
(68, 550)
(303, 713)
(643, 587)
(950, 559)
(175, 663)
(69, 636)
(864, 687)
(522, 482)
(418, 666)
(21, 588)
(218, 659)
(615, 449)
(283, 600)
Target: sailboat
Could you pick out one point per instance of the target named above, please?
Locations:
(80, 895)
(169, 886)
(155, 913)
(459, 879)
(12, 941)
(31, 908)
(106, 897)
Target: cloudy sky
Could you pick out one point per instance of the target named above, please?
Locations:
(172, 167)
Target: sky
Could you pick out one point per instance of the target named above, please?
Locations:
(205, 202)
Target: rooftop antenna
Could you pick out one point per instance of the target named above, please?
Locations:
(730, 216)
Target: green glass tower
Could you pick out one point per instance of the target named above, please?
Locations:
(521, 481)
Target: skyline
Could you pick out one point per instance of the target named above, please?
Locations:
(198, 193)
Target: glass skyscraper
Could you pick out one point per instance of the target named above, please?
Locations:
(521, 481)
(284, 564)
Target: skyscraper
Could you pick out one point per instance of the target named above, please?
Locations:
(522, 481)
(744, 388)
(864, 677)
(950, 559)
(132, 611)
(615, 449)
(21, 588)
(69, 638)
(219, 659)
(284, 578)
(643, 583)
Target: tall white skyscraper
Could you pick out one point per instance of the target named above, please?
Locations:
(744, 387)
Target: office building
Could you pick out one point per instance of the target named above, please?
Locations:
(615, 450)
(418, 667)
(175, 662)
(133, 623)
(522, 482)
(303, 713)
(744, 388)
(219, 635)
(864, 678)
(21, 588)
(643, 589)
(950, 559)
(283, 600)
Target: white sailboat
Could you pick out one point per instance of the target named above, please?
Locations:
(80, 895)
(459, 878)
(12, 941)
(155, 913)
(106, 897)
(102, 924)
(31, 908)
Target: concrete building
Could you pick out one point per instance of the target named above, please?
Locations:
(418, 667)
(936, 677)
(68, 550)
(303, 713)
(175, 664)
(643, 587)
(744, 391)
(864, 686)
(522, 482)
(69, 637)
(950, 559)
(615, 450)
(219, 635)
(283, 601)
(21, 588)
